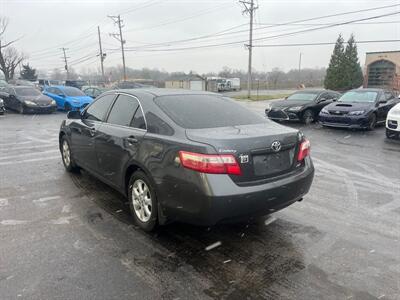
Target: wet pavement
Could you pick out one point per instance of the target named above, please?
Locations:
(66, 236)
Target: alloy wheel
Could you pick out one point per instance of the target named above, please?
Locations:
(66, 153)
(141, 200)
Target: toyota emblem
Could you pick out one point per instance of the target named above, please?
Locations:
(276, 146)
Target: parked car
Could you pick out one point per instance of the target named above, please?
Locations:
(359, 108)
(2, 108)
(42, 83)
(26, 99)
(21, 82)
(301, 106)
(393, 122)
(176, 159)
(76, 83)
(67, 97)
(129, 85)
(3, 84)
(94, 91)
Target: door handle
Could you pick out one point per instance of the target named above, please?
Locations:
(92, 131)
(131, 140)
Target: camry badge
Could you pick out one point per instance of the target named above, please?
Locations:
(276, 146)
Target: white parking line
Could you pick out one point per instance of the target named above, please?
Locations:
(29, 147)
(28, 160)
(28, 154)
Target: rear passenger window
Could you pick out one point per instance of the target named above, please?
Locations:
(97, 111)
(123, 110)
(138, 119)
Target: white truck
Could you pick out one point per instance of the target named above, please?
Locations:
(232, 84)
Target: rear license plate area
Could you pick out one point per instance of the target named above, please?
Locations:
(273, 163)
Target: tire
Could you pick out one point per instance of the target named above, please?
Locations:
(67, 107)
(372, 122)
(21, 109)
(308, 117)
(142, 201)
(67, 157)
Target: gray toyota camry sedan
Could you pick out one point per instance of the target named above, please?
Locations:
(187, 156)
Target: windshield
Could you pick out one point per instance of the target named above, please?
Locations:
(359, 96)
(302, 96)
(206, 111)
(73, 92)
(27, 92)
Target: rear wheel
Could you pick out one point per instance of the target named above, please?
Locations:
(67, 158)
(142, 201)
(372, 122)
(308, 117)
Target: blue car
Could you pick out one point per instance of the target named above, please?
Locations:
(67, 97)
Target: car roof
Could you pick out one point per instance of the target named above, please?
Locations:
(368, 90)
(156, 92)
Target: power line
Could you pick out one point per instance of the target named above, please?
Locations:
(324, 43)
(269, 26)
(265, 37)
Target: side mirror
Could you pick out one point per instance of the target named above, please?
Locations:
(61, 95)
(74, 114)
(322, 99)
(334, 99)
(382, 101)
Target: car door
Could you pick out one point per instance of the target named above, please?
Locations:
(7, 97)
(85, 131)
(322, 100)
(383, 107)
(59, 97)
(120, 138)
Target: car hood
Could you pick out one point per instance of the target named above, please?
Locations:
(42, 99)
(288, 103)
(349, 106)
(81, 99)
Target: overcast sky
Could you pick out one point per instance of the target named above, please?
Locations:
(45, 26)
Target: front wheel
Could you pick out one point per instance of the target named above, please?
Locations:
(308, 117)
(390, 134)
(372, 122)
(143, 201)
(21, 109)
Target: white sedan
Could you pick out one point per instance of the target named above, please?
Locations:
(393, 122)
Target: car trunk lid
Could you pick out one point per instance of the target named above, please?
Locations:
(262, 150)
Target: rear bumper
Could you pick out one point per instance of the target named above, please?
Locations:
(219, 199)
(353, 122)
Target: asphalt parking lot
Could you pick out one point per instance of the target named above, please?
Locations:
(66, 236)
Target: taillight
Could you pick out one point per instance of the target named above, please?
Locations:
(304, 150)
(209, 163)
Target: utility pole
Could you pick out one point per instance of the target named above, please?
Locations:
(117, 20)
(249, 8)
(101, 54)
(300, 69)
(65, 61)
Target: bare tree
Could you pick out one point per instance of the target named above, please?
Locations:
(10, 58)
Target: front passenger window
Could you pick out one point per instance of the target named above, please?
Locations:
(98, 109)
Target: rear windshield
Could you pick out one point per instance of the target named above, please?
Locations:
(206, 111)
(73, 92)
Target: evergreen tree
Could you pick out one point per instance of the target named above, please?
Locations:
(353, 76)
(334, 73)
(28, 73)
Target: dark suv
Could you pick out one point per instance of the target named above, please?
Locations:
(187, 156)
